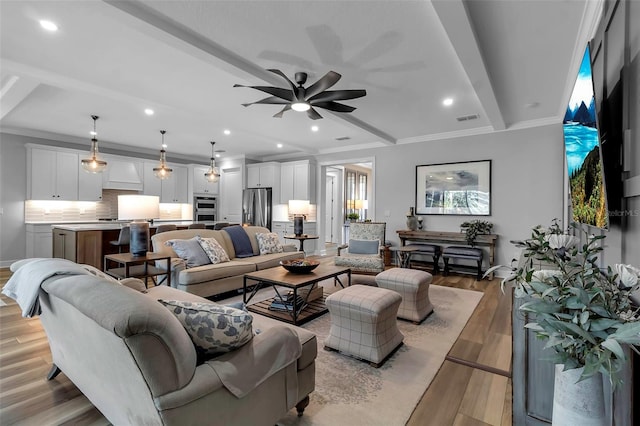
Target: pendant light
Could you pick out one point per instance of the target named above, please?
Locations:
(213, 174)
(93, 164)
(162, 171)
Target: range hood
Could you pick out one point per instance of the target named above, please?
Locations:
(123, 174)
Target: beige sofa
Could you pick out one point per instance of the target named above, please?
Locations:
(209, 280)
(135, 362)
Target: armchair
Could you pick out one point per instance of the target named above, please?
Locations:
(364, 251)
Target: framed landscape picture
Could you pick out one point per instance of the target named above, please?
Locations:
(454, 188)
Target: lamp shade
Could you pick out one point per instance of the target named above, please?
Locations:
(138, 207)
(298, 207)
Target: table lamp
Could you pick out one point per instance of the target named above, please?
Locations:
(139, 209)
(299, 209)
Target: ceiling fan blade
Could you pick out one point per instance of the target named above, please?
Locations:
(272, 100)
(334, 106)
(328, 80)
(337, 95)
(313, 114)
(282, 111)
(291, 83)
(275, 91)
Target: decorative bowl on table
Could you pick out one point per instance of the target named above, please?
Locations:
(299, 266)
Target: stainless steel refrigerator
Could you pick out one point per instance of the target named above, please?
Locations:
(256, 207)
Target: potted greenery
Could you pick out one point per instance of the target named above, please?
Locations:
(473, 228)
(584, 313)
(353, 217)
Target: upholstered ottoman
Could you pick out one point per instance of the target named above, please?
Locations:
(413, 286)
(363, 323)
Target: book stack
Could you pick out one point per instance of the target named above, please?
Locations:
(314, 293)
(287, 304)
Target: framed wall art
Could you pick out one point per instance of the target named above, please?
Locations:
(454, 188)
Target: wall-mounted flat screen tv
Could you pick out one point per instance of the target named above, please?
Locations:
(582, 147)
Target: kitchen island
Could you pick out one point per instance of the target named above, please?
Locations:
(89, 242)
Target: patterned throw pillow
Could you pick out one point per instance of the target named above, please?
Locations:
(269, 243)
(213, 328)
(213, 249)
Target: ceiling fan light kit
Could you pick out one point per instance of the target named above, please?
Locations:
(301, 99)
(93, 164)
(162, 171)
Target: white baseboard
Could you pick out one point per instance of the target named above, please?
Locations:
(7, 263)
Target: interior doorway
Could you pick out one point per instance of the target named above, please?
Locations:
(335, 192)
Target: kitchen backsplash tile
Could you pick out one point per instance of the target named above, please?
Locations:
(78, 211)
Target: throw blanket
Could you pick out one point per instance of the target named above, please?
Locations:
(240, 240)
(243, 370)
(24, 284)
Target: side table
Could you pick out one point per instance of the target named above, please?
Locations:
(142, 267)
(403, 254)
(302, 238)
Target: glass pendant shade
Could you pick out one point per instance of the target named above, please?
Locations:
(162, 171)
(93, 164)
(213, 174)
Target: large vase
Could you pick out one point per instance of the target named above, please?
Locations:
(577, 403)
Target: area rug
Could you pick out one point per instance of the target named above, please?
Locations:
(351, 392)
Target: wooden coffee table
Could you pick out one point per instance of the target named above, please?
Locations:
(279, 276)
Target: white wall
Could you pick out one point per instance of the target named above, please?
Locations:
(526, 185)
(13, 190)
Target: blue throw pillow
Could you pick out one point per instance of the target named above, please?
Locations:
(240, 240)
(364, 246)
(191, 251)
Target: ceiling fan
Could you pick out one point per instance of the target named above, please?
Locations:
(299, 98)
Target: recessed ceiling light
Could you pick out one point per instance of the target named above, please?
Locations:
(314, 128)
(227, 132)
(447, 101)
(217, 155)
(93, 133)
(149, 111)
(164, 145)
(48, 25)
(279, 145)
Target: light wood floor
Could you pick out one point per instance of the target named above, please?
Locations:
(473, 387)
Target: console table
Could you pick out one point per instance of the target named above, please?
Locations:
(457, 238)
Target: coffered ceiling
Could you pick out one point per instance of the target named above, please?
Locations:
(507, 63)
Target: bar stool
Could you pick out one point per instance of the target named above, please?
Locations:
(123, 238)
(165, 228)
(196, 226)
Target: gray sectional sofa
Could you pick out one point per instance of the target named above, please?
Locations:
(212, 279)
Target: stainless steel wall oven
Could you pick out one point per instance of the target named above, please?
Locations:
(205, 209)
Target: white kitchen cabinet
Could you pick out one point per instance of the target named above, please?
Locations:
(286, 228)
(53, 175)
(230, 205)
(263, 175)
(39, 240)
(175, 188)
(298, 181)
(151, 184)
(202, 185)
(89, 185)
